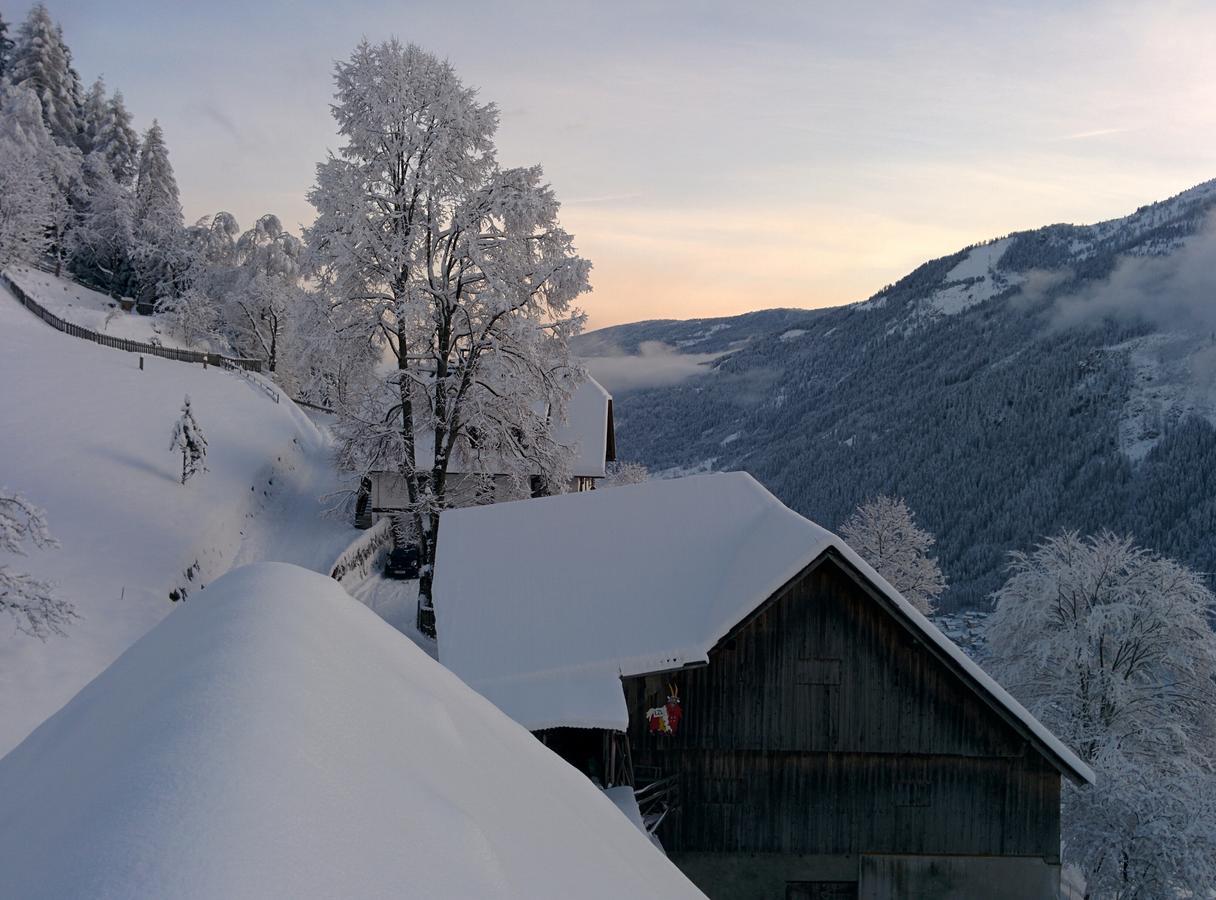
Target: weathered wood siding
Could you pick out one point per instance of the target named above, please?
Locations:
(822, 726)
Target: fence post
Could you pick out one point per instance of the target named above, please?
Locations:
(141, 363)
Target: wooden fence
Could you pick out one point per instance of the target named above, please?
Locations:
(358, 559)
(190, 356)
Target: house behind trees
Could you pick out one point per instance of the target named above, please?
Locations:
(475, 479)
(791, 726)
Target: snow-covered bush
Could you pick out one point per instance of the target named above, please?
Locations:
(31, 602)
(623, 473)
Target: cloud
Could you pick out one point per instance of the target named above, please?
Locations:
(654, 365)
(1175, 292)
(1089, 135)
(1038, 285)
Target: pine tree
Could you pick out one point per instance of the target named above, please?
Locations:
(158, 252)
(6, 48)
(117, 141)
(93, 114)
(103, 237)
(36, 176)
(42, 62)
(189, 439)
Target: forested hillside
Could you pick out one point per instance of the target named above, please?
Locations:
(1057, 378)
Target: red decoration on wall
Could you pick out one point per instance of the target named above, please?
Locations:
(665, 719)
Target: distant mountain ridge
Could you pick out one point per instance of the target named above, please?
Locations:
(1063, 377)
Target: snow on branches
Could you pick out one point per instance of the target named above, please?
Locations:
(1110, 646)
(454, 267)
(38, 612)
(884, 533)
(189, 439)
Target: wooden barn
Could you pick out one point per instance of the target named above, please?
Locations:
(792, 727)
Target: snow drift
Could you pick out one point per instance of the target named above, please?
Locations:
(274, 738)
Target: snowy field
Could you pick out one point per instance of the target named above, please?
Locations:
(89, 309)
(280, 740)
(86, 437)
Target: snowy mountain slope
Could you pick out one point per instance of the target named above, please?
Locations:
(279, 740)
(86, 436)
(1062, 377)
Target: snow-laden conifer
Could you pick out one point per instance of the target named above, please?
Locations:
(36, 176)
(93, 111)
(459, 269)
(158, 252)
(188, 438)
(117, 140)
(1111, 647)
(32, 603)
(884, 533)
(102, 240)
(41, 61)
(6, 48)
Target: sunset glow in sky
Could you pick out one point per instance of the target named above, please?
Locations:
(711, 158)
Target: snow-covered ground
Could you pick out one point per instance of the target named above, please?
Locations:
(974, 280)
(396, 602)
(279, 740)
(89, 309)
(1172, 378)
(86, 437)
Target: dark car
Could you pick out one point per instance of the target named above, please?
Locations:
(402, 563)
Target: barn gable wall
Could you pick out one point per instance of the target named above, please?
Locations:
(823, 727)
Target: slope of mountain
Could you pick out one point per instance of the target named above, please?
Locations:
(1057, 378)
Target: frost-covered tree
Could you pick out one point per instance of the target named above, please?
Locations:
(103, 236)
(37, 176)
(6, 48)
(117, 140)
(257, 310)
(159, 237)
(884, 533)
(30, 601)
(457, 269)
(1110, 646)
(188, 438)
(26, 206)
(42, 62)
(244, 289)
(93, 111)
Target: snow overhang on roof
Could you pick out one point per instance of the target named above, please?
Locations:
(544, 604)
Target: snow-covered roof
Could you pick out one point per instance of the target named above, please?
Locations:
(588, 429)
(273, 737)
(544, 604)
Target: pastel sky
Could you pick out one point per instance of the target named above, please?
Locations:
(711, 157)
